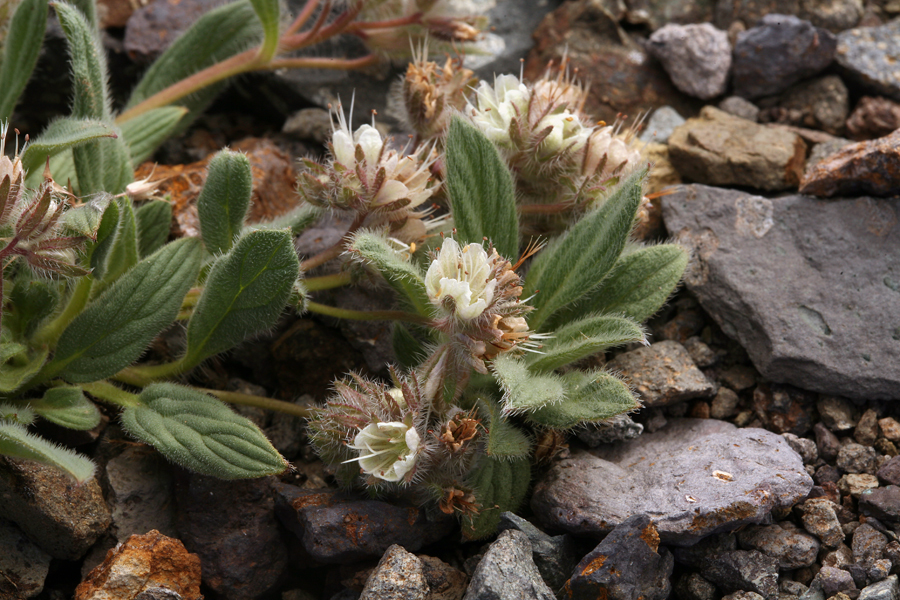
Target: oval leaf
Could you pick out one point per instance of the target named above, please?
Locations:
(244, 294)
(16, 441)
(61, 135)
(224, 200)
(147, 131)
(590, 398)
(201, 433)
(24, 36)
(582, 338)
(154, 220)
(67, 406)
(499, 486)
(523, 390)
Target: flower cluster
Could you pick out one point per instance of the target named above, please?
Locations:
(382, 185)
(431, 93)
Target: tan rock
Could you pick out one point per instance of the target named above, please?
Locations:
(717, 148)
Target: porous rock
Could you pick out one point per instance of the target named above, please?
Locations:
(141, 498)
(869, 56)
(819, 517)
(869, 167)
(627, 565)
(744, 570)
(778, 276)
(507, 571)
(141, 564)
(887, 589)
(717, 148)
(727, 477)
(697, 57)
(790, 547)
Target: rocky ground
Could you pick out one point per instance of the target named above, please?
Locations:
(765, 460)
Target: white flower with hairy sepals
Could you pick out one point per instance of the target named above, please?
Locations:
(604, 145)
(388, 450)
(496, 106)
(463, 274)
(568, 134)
(344, 143)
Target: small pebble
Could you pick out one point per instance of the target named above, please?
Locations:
(836, 413)
(890, 428)
(805, 447)
(866, 431)
(827, 442)
(854, 484)
(856, 458)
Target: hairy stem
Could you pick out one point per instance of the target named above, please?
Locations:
(143, 375)
(367, 315)
(326, 282)
(108, 392)
(259, 402)
(49, 333)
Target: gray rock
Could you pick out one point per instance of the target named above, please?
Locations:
(507, 572)
(724, 405)
(838, 558)
(694, 587)
(720, 149)
(697, 57)
(887, 589)
(703, 551)
(791, 547)
(60, 516)
(777, 53)
(837, 414)
(883, 503)
(835, 580)
(805, 447)
(869, 56)
(740, 107)
(398, 576)
(662, 374)
(889, 472)
(141, 486)
(555, 556)
(868, 544)
(744, 570)
(702, 355)
(726, 477)
(879, 570)
(823, 150)
(627, 565)
(23, 564)
(309, 124)
(795, 588)
(743, 596)
(662, 122)
(856, 458)
(826, 442)
(819, 517)
(765, 273)
(617, 429)
(819, 103)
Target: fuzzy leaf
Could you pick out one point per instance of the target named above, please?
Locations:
(32, 300)
(24, 36)
(68, 407)
(88, 60)
(60, 135)
(154, 220)
(298, 219)
(102, 166)
(123, 252)
(582, 338)
(481, 190)
(224, 200)
(576, 262)
(641, 282)
(378, 253)
(116, 328)
(62, 167)
(246, 291)
(590, 398)
(523, 390)
(201, 433)
(217, 35)
(499, 485)
(20, 367)
(89, 9)
(269, 14)
(85, 220)
(145, 132)
(98, 252)
(17, 442)
(17, 413)
(408, 350)
(505, 441)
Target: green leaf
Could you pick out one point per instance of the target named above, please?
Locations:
(408, 350)
(98, 252)
(246, 291)
(298, 219)
(85, 220)
(505, 441)
(377, 252)
(481, 190)
(217, 35)
(582, 338)
(62, 134)
(524, 390)
(123, 253)
(116, 328)
(590, 398)
(89, 9)
(62, 166)
(24, 36)
(20, 367)
(641, 282)
(102, 166)
(88, 60)
(269, 14)
(68, 407)
(499, 485)
(17, 442)
(224, 200)
(144, 133)
(576, 262)
(32, 300)
(201, 433)
(17, 413)
(154, 221)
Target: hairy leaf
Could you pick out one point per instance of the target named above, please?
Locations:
(224, 200)
(20, 366)
(499, 485)
(115, 329)
(408, 350)
(505, 441)
(85, 220)
(144, 133)
(67, 406)
(31, 301)
(298, 219)
(16, 441)
(246, 291)
(481, 190)
(123, 253)
(88, 60)
(154, 220)
(576, 262)
(99, 252)
(62, 134)
(590, 398)
(378, 253)
(201, 433)
(523, 390)
(269, 13)
(24, 37)
(582, 338)
(102, 166)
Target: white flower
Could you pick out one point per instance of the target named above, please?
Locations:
(463, 274)
(568, 134)
(388, 450)
(495, 107)
(366, 137)
(618, 155)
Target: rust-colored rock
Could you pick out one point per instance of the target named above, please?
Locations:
(273, 185)
(140, 563)
(873, 118)
(864, 168)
